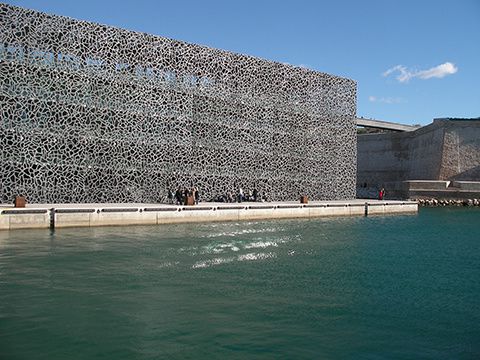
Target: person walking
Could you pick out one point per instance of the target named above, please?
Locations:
(178, 196)
(381, 194)
(240, 195)
(196, 195)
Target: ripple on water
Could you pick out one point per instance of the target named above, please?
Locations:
(212, 262)
(243, 231)
(239, 258)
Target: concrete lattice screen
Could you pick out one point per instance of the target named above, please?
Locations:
(91, 113)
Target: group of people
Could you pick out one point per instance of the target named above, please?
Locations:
(240, 195)
(180, 196)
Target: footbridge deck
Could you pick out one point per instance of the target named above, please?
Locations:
(386, 125)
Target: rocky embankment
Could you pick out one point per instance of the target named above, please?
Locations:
(447, 202)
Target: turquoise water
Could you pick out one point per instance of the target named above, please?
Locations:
(393, 287)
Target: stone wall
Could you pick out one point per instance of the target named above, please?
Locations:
(461, 151)
(92, 113)
(443, 150)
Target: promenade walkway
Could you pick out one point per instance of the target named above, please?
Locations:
(108, 214)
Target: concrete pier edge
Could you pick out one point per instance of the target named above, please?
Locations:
(38, 216)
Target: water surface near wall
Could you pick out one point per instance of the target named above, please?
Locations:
(375, 287)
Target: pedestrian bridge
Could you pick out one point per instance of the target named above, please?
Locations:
(386, 125)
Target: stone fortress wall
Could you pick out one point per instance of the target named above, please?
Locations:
(92, 113)
(448, 150)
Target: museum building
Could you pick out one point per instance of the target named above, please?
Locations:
(93, 113)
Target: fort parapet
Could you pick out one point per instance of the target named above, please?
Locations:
(440, 160)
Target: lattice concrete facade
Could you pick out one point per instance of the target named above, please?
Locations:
(91, 113)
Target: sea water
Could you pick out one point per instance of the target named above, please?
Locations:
(380, 287)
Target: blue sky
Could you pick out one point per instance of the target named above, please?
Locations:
(413, 60)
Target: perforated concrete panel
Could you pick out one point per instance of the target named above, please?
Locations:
(92, 113)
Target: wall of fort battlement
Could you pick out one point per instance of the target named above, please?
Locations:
(444, 150)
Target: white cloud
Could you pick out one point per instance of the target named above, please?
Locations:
(438, 71)
(386, 100)
(405, 74)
